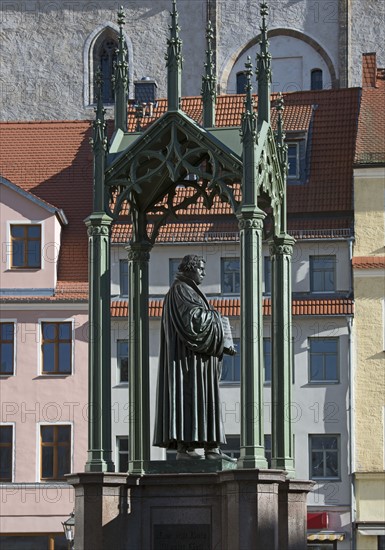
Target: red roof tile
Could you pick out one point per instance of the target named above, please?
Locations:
(370, 148)
(369, 69)
(231, 307)
(369, 262)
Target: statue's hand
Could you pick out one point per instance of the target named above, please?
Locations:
(230, 351)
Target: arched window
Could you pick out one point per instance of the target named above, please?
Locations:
(104, 55)
(241, 82)
(316, 79)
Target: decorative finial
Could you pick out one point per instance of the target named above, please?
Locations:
(280, 137)
(120, 78)
(209, 94)
(263, 70)
(174, 62)
(99, 144)
(249, 126)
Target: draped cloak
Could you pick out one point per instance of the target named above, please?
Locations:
(190, 364)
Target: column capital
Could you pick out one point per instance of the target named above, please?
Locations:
(98, 219)
(251, 218)
(282, 245)
(139, 251)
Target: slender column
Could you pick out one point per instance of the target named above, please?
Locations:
(281, 251)
(209, 95)
(174, 62)
(252, 428)
(264, 71)
(138, 341)
(120, 79)
(99, 359)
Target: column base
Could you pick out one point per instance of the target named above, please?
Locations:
(252, 458)
(286, 464)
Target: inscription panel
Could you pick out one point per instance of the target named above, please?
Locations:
(188, 536)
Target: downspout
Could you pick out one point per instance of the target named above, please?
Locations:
(351, 370)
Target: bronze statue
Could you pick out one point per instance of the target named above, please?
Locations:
(188, 414)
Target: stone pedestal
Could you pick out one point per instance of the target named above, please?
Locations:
(238, 509)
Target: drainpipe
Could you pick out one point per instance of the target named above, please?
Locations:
(351, 371)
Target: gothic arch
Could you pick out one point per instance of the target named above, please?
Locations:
(231, 61)
(88, 58)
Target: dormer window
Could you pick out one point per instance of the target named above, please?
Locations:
(26, 246)
(293, 158)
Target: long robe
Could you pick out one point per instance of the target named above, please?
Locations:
(188, 407)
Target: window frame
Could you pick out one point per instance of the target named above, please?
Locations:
(233, 358)
(171, 269)
(237, 84)
(316, 71)
(227, 259)
(55, 425)
(267, 282)
(118, 357)
(56, 373)
(26, 224)
(324, 380)
(295, 144)
(338, 452)
(122, 266)
(265, 340)
(11, 425)
(312, 270)
(9, 322)
(119, 438)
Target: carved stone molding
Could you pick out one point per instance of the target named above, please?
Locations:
(98, 231)
(250, 223)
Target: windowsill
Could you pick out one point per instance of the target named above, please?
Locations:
(54, 375)
(29, 269)
(7, 375)
(227, 384)
(121, 385)
(323, 383)
(327, 479)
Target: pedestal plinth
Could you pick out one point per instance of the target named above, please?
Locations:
(233, 509)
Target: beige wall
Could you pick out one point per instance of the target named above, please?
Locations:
(369, 207)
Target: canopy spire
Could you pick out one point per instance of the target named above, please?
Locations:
(263, 70)
(282, 156)
(209, 94)
(120, 79)
(99, 144)
(174, 62)
(249, 141)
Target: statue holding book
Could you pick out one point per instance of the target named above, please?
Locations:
(194, 337)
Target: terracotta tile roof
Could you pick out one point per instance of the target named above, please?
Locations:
(369, 69)
(231, 307)
(228, 112)
(65, 292)
(53, 161)
(369, 262)
(370, 148)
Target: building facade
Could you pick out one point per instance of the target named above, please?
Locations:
(369, 333)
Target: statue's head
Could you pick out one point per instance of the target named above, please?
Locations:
(193, 267)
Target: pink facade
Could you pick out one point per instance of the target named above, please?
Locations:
(37, 391)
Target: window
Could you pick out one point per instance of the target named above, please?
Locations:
(7, 344)
(56, 348)
(232, 447)
(267, 274)
(123, 277)
(267, 358)
(241, 82)
(381, 542)
(323, 360)
(6, 453)
(324, 456)
(267, 443)
(230, 275)
(322, 273)
(293, 159)
(104, 59)
(231, 367)
(55, 451)
(122, 447)
(173, 268)
(26, 246)
(316, 79)
(123, 360)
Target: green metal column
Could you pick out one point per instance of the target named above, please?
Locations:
(138, 342)
(99, 346)
(250, 219)
(99, 359)
(174, 62)
(281, 251)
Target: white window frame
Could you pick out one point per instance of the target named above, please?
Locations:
(320, 479)
(119, 381)
(311, 256)
(14, 321)
(40, 341)
(297, 171)
(117, 454)
(13, 454)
